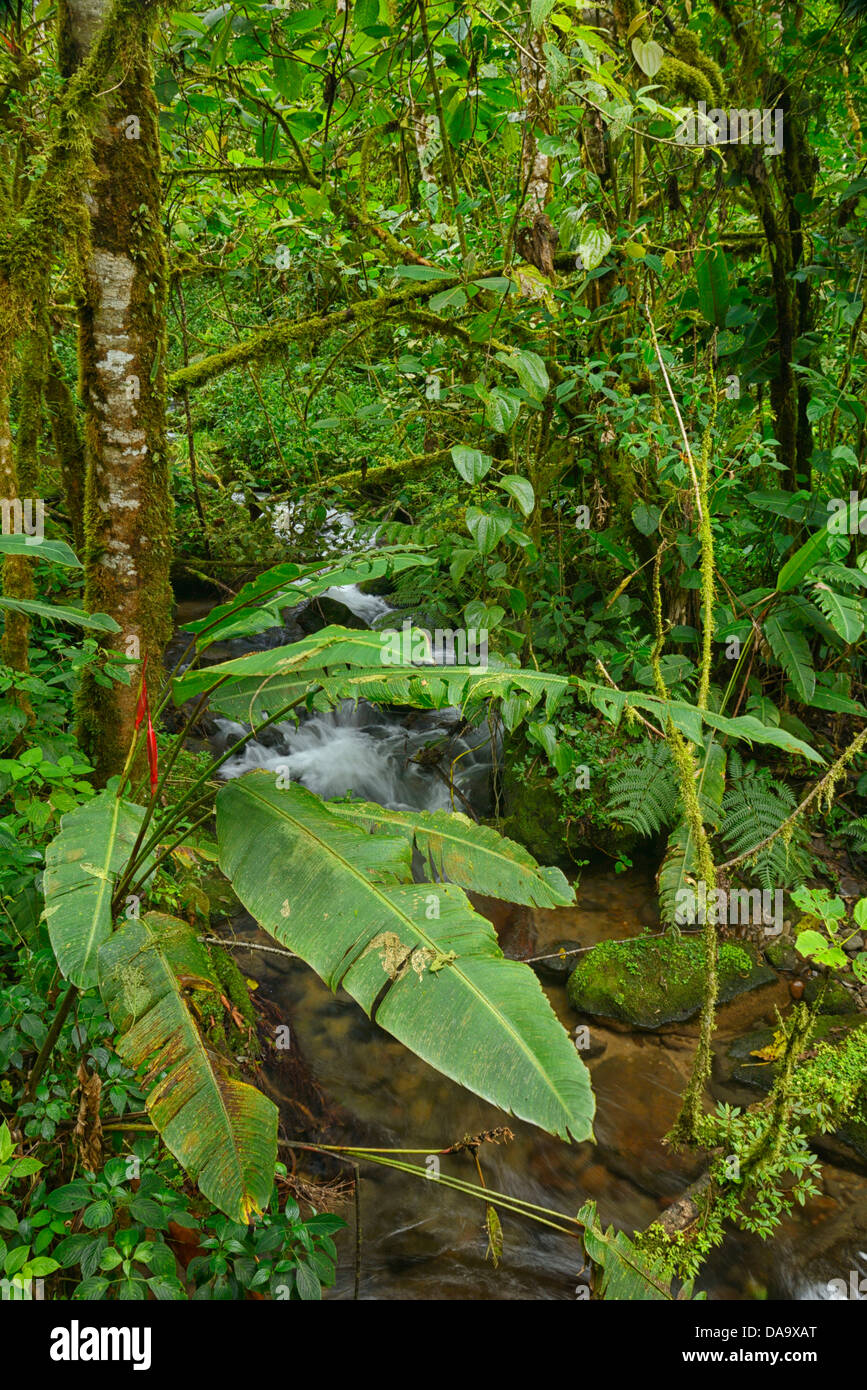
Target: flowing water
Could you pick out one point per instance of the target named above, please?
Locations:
(419, 1239)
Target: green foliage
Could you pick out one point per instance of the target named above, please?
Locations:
(754, 807)
(646, 794)
(415, 959)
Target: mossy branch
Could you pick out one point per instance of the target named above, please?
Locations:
(270, 342)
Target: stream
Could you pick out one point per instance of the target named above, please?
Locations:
(421, 1240)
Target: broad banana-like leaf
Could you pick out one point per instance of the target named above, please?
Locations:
(414, 956)
(473, 856)
(222, 1131)
(274, 679)
(82, 865)
(58, 613)
(689, 719)
(260, 603)
(37, 548)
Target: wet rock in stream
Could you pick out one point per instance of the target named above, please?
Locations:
(647, 982)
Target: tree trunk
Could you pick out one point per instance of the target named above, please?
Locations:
(122, 359)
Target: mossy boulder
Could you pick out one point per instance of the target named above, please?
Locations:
(650, 981)
(751, 1070)
(837, 999)
(783, 956)
(534, 813)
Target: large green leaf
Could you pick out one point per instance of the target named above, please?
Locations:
(689, 719)
(473, 856)
(57, 613)
(712, 279)
(82, 865)
(260, 603)
(264, 682)
(58, 552)
(222, 1131)
(792, 650)
(803, 560)
(414, 955)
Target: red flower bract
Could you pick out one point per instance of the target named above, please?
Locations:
(152, 755)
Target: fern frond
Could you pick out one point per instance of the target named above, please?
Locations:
(754, 806)
(645, 795)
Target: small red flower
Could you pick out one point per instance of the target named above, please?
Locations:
(152, 755)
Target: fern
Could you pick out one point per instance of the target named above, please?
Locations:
(754, 806)
(645, 795)
(856, 831)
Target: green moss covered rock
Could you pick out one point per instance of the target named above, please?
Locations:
(534, 814)
(650, 981)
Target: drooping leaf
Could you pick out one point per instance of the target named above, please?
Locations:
(222, 1131)
(522, 491)
(82, 865)
(259, 685)
(59, 613)
(414, 956)
(473, 856)
(530, 370)
(57, 552)
(487, 528)
(648, 55)
(792, 650)
(260, 603)
(472, 464)
(803, 560)
(712, 278)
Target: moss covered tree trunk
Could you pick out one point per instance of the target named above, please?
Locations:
(122, 336)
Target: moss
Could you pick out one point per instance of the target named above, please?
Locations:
(680, 78)
(687, 47)
(650, 981)
(128, 502)
(836, 999)
(270, 342)
(236, 991)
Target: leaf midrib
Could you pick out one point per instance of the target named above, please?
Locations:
(429, 942)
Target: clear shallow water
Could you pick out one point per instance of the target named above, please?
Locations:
(421, 1240)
